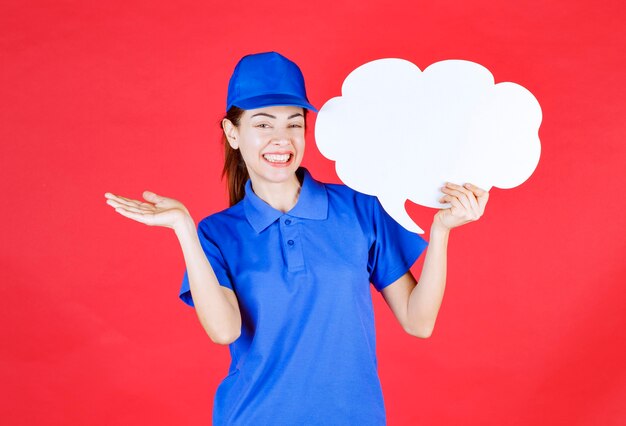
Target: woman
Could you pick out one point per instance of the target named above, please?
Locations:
(283, 275)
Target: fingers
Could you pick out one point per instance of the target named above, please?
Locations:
(161, 202)
(139, 217)
(121, 200)
(132, 209)
(467, 204)
(167, 213)
(465, 197)
(472, 199)
(138, 214)
(127, 201)
(130, 205)
(476, 190)
(481, 194)
(454, 202)
(152, 197)
(127, 207)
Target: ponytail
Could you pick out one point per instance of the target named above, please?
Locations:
(234, 166)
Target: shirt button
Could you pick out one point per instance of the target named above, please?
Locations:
(288, 222)
(290, 242)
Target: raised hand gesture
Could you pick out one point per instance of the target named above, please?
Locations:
(157, 211)
(467, 205)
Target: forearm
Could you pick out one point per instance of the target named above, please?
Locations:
(426, 296)
(220, 319)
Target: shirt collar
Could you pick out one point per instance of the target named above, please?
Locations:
(312, 204)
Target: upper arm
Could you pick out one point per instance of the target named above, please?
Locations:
(397, 296)
(393, 250)
(232, 299)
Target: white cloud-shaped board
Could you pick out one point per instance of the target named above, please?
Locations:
(400, 133)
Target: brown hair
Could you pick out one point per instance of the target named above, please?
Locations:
(234, 167)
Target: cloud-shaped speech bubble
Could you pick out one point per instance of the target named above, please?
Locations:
(400, 133)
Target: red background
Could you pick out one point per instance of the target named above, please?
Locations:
(126, 96)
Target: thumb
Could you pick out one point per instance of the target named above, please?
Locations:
(152, 197)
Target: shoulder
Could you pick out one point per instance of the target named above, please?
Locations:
(351, 207)
(364, 209)
(343, 196)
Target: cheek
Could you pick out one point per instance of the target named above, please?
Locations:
(298, 140)
(249, 146)
(300, 146)
(248, 154)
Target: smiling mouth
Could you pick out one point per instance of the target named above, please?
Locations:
(278, 158)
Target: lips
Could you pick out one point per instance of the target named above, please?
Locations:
(278, 159)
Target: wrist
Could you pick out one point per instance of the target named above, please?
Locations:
(185, 226)
(439, 231)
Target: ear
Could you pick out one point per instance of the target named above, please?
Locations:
(231, 132)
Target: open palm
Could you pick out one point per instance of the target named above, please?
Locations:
(155, 211)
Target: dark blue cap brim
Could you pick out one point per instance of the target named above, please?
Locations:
(271, 100)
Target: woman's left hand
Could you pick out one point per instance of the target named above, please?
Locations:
(467, 205)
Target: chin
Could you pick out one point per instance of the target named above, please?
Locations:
(282, 175)
(279, 174)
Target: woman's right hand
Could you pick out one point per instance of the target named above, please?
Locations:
(157, 211)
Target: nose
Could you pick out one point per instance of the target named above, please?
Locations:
(280, 137)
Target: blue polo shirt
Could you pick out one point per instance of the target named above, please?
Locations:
(307, 350)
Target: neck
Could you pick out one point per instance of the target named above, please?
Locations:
(282, 196)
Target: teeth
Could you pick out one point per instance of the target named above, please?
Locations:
(277, 158)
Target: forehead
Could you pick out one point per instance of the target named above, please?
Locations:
(275, 112)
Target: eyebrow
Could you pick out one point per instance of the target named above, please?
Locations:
(272, 116)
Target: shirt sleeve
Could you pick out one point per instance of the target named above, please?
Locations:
(215, 258)
(394, 249)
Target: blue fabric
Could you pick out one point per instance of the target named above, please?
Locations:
(307, 350)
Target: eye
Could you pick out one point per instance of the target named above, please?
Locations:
(263, 126)
(296, 125)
